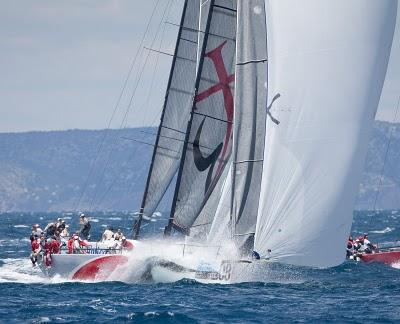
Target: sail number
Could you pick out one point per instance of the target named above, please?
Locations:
(225, 271)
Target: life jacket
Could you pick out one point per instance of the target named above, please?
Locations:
(55, 247)
(70, 245)
(35, 245)
(47, 246)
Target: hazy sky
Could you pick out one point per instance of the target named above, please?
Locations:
(63, 63)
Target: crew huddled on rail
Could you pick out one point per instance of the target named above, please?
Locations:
(56, 237)
(114, 240)
(360, 245)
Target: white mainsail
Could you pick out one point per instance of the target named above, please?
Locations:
(327, 64)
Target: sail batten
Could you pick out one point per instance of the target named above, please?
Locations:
(211, 120)
(176, 110)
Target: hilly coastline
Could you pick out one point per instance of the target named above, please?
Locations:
(107, 169)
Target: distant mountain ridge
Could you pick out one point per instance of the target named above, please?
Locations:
(107, 169)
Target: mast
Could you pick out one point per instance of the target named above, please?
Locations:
(168, 228)
(137, 224)
(232, 216)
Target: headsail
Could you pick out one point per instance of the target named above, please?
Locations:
(249, 121)
(176, 111)
(327, 64)
(209, 138)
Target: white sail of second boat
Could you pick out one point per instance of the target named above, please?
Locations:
(327, 65)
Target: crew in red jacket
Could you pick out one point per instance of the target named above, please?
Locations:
(35, 251)
(47, 252)
(70, 245)
(55, 246)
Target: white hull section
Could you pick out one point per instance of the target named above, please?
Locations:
(89, 264)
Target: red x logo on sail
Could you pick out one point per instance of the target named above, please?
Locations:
(224, 79)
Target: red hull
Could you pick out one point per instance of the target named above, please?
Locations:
(99, 268)
(388, 257)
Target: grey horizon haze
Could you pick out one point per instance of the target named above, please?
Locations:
(63, 64)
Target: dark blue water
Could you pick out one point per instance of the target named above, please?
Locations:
(352, 292)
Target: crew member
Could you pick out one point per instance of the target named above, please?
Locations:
(118, 235)
(36, 231)
(64, 235)
(108, 234)
(367, 246)
(70, 245)
(47, 252)
(60, 224)
(350, 247)
(35, 251)
(50, 229)
(85, 227)
(55, 246)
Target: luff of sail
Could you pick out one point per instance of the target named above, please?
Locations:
(327, 65)
(209, 136)
(249, 121)
(176, 110)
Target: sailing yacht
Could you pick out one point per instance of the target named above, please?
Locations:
(265, 124)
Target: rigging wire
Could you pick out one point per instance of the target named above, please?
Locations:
(100, 146)
(152, 123)
(153, 78)
(132, 155)
(129, 106)
(386, 155)
(90, 205)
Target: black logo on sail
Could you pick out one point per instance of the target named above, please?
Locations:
(203, 163)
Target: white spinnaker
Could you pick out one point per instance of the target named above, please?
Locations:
(327, 60)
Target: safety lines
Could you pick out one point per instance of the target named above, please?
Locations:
(129, 106)
(100, 147)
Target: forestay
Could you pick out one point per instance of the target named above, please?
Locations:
(327, 64)
(209, 137)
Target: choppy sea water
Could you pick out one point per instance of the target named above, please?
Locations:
(352, 292)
